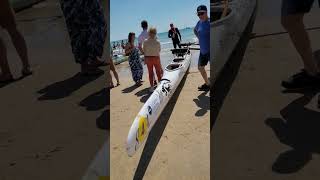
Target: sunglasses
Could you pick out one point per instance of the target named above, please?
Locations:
(200, 13)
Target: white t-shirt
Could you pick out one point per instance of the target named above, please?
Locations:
(142, 37)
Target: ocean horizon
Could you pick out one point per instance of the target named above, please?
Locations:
(166, 43)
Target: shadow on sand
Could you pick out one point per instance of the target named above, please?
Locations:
(130, 89)
(203, 102)
(97, 101)
(66, 87)
(2, 85)
(103, 121)
(299, 129)
(156, 133)
(144, 94)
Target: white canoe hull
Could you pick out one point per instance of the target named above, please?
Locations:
(226, 32)
(153, 107)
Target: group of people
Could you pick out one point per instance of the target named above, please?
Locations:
(150, 47)
(118, 45)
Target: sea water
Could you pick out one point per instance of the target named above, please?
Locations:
(166, 43)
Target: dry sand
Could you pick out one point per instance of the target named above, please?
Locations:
(178, 146)
(261, 130)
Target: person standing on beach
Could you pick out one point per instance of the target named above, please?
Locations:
(8, 22)
(86, 26)
(175, 35)
(143, 35)
(115, 73)
(151, 49)
(292, 14)
(134, 59)
(202, 31)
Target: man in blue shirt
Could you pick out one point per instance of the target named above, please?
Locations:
(202, 31)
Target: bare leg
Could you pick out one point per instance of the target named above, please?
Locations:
(204, 75)
(116, 76)
(5, 69)
(21, 47)
(300, 39)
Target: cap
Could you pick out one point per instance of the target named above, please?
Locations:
(202, 8)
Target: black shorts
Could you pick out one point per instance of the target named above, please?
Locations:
(203, 59)
(290, 7)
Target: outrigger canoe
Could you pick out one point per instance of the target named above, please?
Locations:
(151, 110)
(226, 31)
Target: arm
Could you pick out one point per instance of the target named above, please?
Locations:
(169, 34)
(178, 33)
(140, 42)
(128, 49)
(159, 47)
(140, 48)
(143, 48)
(195, 31)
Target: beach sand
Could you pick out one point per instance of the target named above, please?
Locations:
(263, 132)
(48, 120)
(178, 146)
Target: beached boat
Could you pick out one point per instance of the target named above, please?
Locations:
(226, 31)
(118, 59)
(151, 110)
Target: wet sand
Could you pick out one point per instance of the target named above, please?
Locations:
(48, 120)
(262, 132)
(178, 146)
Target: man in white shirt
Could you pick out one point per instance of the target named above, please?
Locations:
(144, 34)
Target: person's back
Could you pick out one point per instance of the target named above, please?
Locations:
(151, 47)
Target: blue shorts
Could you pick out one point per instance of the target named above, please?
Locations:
(290, 7)
(203, 59)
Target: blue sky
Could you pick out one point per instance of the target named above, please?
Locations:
(126, 15)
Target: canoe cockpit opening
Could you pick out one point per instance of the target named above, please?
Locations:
(216, 13)
(173, 67)
(180, 52)
(178, 59)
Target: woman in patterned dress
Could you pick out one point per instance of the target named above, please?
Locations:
(86, 26)
(134, 59)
